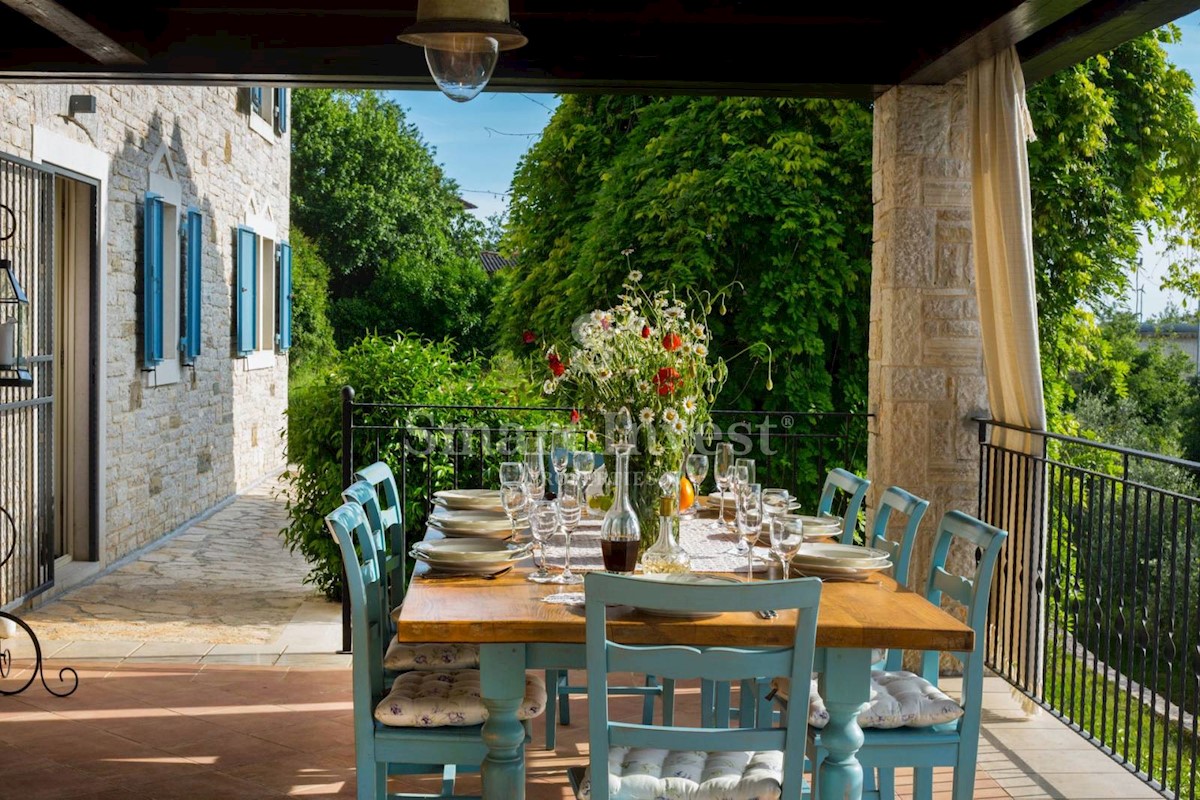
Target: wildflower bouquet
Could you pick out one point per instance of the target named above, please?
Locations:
(650, 354)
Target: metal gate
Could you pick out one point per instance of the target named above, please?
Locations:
(27, 414)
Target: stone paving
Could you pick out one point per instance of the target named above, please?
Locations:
(226, 589)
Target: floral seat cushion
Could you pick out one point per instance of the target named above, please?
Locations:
(898, 699)
(8, 628)
(401, 656)
(646, 774)
(427, 699)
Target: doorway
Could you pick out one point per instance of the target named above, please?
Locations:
(76, 282)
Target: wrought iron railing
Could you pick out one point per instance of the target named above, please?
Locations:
(1096, 611)
(432, 447)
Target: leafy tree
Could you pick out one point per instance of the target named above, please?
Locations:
(389, 224)
(1118, 151)
(704, 192)
(312, 335)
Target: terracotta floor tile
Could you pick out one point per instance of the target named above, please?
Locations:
(209, 784)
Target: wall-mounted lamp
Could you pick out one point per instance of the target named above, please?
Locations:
(462, 41)
(81, 104)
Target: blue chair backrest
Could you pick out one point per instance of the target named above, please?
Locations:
(373, 544)
(972, 591)
(896, 500)
(348, 523)
(727, 664)
(387, 515)
(855, 487)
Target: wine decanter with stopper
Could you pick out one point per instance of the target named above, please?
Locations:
(665, 555)
(620, 531)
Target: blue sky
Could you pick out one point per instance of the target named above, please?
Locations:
(479, 143)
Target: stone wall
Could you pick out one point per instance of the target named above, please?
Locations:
(926, 378)
(170, 451)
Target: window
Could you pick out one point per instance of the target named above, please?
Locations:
(264, 293)
(268, 111)
(172, 254)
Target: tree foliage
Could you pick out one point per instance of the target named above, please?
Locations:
(772, 194)
(312, 335)
(402, 251)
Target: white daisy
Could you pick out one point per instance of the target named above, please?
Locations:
(678, 427)
(603, 374)
(656, 449)
(700, 350)
(670, 415)
(644, 387)
(634, 277)
(549, 386)
(591, 437)
(697, 330)
(646, 415)
(689, 405)
(675, 312)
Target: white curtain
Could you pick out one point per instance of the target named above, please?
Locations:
(1003, 250)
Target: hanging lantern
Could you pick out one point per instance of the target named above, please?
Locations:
(14, 329)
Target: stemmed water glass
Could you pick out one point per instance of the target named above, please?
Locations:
(787, 536)
(739, 482)
(697, 471)
(560, 454)
(535, 469)
(724, 474)
(749, 522)
(570, 509)
(513, 498)
(775, 504)
(748, 463)
(511, 473)
(543, 524)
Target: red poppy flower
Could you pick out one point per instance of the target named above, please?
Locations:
(672, 342)
(529, 336)
(557, 368)
(667, 381)
(574, 416)
(645, 331)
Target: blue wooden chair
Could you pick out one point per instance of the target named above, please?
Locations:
(855, 488)
(387, 517)
(955, 743)
(895, 500)
(378, 747)
(764, 759)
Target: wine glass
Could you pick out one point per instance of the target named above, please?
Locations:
(511, 473)
(748, 463)
(724, 473)
(787, 536)
(543, 524)
(749, 524)
(584, 463)
(513, 498)
(560, 454)
(697, 471)
(738, 482)
(535, 468)
(775, 503)
(570, 509)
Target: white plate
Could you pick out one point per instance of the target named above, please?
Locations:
(841, 573)
(498, 535)
(690, 578)
(482, 570)
(840, 555)
(469, 499)
(473, 550)
(469, 520)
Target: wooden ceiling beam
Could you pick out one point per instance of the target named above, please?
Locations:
(75, 31)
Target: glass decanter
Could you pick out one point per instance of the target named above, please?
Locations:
(665, 555)
(620, 531)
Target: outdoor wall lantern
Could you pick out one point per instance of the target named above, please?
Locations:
(462, 41)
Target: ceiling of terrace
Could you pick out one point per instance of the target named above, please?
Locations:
(842, 48)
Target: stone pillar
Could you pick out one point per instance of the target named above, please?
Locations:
(926, 378)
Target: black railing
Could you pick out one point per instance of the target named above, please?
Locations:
(1096, 610)
(433, 447)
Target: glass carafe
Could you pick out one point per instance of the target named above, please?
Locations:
(620, 531)
(665, 555)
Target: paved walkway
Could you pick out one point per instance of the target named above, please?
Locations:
(225, 590)
(208, 669)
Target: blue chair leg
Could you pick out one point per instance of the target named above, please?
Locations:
(648, 701)
(551, 708)
(448, 773)
(923, 783)
(668, 701)
(564, 698)
(887, 784)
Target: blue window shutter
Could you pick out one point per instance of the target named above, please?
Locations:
(195, 260)
(256, 98)
(285, 297)
(152, 292)
(281, 111)
(247, 290)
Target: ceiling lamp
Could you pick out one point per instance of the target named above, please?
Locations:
(462, 41)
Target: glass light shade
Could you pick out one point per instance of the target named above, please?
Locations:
(462, 64)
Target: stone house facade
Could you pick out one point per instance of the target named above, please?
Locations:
(159, 280)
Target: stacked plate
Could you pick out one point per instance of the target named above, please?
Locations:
(469, 500)
(469, 556)
(713, 501)
(825, 526)
(473, 524)
(841, 561)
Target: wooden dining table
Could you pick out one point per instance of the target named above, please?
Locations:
(516, 631)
